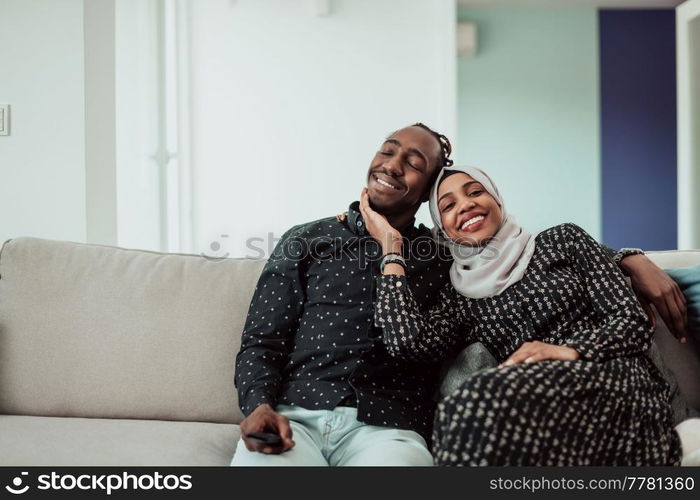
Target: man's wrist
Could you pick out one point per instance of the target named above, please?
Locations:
(629, 258)
(261, 408)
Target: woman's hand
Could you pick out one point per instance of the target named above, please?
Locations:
(379, 228)
(531, 352)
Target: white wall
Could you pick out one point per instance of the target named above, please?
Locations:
(289, 108)
(100, 122)
(42, 162)
(136, 94)
(529, 112)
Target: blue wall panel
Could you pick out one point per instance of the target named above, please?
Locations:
(638, 128)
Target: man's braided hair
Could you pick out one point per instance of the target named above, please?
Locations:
(445, 146)
(445, 151)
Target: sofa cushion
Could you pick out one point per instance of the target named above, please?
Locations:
(97, 331)
(54, 441)
(472, 359)
(679, 406)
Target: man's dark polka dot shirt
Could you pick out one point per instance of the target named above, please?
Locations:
(309, 338)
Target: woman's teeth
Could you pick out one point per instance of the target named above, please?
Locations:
(384, 183)
(471, 221)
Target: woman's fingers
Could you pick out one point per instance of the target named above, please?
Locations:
(553, 352)
(540, 351)
(365, 209)
(364, 200)
(538, 356)
(519, 355)
(509, 360)
(379, 227)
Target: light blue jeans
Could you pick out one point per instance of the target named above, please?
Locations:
(337, 438)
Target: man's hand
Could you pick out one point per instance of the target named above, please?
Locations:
(531, 352)
(653, 286)
(265, 419)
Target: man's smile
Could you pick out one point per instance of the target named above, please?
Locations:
(386, 183)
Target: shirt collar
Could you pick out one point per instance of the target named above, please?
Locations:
(357, 225)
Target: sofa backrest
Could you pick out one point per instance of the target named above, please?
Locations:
(97, 331)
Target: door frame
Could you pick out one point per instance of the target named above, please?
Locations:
(688, 78)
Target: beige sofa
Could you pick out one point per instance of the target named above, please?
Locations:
(111, 356)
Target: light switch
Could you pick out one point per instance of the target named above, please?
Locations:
(4, 119)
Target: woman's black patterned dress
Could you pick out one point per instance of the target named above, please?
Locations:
(608, 408)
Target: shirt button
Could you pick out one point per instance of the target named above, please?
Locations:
(359, 223)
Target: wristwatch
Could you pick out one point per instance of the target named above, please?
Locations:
(392, 258)
(626, 252)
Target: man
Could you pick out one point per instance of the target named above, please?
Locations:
(312, 368)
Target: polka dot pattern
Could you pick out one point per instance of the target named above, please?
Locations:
(608, 408)
(310, 340)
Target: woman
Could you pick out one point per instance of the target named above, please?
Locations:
(574, 386)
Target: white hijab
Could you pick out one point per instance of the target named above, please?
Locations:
(485, 271)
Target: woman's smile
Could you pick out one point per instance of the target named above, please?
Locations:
(471, 223)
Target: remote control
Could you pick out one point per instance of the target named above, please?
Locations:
(265, 437)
